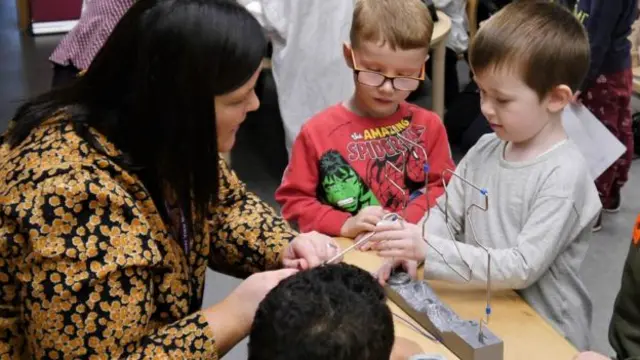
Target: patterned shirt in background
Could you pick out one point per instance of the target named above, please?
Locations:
(82, 43)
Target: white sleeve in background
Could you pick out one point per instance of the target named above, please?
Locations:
(308, 64)
(270, 14)
(545, 234)
(456, 10)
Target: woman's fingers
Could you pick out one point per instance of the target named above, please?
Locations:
(298, 264)
(331, 249)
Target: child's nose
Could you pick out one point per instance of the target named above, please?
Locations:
(387, 87)
(486, 108)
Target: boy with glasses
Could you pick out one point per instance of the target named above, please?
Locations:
(356, 160)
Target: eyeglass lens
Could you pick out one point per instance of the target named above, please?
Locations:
(376, 79)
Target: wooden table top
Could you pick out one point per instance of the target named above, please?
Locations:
(441, 28)
(526, 335)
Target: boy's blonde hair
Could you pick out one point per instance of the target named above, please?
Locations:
(541, 41)
(400, 24)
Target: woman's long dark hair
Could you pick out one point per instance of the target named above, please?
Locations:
(151, 89)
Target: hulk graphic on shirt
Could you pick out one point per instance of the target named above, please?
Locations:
(341, 187)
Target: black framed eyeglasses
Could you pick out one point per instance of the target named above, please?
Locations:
(376, 79)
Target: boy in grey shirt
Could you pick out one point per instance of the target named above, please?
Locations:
(528, 61)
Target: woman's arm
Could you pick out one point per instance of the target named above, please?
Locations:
(247, 235)
(83, 256)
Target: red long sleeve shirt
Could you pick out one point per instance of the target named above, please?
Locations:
(342, 162)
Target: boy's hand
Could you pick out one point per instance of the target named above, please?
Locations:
(364, 221)
(409, 266)
(399, 240)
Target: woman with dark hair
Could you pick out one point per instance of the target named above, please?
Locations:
(113, 199)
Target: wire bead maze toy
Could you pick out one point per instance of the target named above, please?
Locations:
(393, 217)
(473, 207)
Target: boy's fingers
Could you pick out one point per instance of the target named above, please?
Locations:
(366, 246)
(384, 272)
(367, 227)
(370, 219)
(389, 235)
(388, 226)
(380, 212)
(395, 244)
(411, 267)
(393, 253)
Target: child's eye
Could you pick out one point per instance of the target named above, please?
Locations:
(502, 101)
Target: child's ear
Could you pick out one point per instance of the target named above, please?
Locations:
(346, 52)
(558, 98)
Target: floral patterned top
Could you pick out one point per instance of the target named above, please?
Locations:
(88, 268)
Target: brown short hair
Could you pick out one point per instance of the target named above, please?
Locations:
(401, 24)
(542, 41)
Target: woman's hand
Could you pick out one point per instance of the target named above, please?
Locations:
(399, 240)
(231, 319)
(309, 250)
(365, 221)
(409, 266)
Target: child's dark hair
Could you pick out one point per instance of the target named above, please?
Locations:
(541, 41)
(335, 312)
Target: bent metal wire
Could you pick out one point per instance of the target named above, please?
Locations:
(484, 206)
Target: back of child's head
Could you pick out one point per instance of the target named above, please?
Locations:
(335, 312)
(399, 24)
(541, 41)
